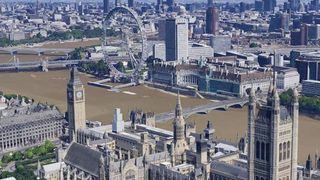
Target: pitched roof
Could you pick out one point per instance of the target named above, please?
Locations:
(84, 158)
(235, 171)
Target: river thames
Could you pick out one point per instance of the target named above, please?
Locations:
(51, 87)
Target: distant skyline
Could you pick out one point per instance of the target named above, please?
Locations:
(182, 1)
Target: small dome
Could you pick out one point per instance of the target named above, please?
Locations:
(182, 10)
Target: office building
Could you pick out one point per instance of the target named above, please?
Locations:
(313, 32)
(80, 9)
(131, 3)
(287, 78)
(212, 21)
(259, 5)
(162, 29)
(195, 51)
(170, 3)
(176, 39)
(159, 5)
(307, 64)
(220, 43)
(279, 21)
(294, 5)
(210, 3)
(117, 2)
(106, 6)
(269, 5)
(311, 87)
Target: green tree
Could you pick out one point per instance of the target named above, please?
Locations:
(130, 65)
(6, 174)
(49, 146)
(120, 67)
(76, 54)
(17, 156)
(6, 158)
(29, 153)
(4, 42)
(307, 104)
(40, 150)
(254, 45)
(77, 34)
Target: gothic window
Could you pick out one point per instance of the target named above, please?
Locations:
(288, 149)
(257, 149)
(262, 150)
(257, 178)
(284, 151)
(268, 152)
(280, 152)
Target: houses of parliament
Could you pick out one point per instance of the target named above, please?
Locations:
(137, 149)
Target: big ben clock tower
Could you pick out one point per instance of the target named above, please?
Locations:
(76, 104)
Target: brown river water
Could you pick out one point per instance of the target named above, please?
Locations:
(51, 87)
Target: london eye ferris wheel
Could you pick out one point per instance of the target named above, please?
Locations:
(124, 42)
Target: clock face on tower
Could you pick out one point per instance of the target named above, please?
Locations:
(79, 95)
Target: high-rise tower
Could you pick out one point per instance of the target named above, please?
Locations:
(106, 6)
(273, 137)
(37, 7)
(269, 5)
(131, 3)
(177, 39)
(212, 20)
(210, 3)
(76, 105)
(170, 3)
(117, 3)
(179, 134)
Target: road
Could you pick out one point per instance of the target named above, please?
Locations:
(11, 167)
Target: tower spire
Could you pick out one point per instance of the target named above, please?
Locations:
(270, 91)
(274, 69)
(178, 110)
(74, 78)
(179, 134)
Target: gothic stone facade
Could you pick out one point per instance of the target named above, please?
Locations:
(273, 138)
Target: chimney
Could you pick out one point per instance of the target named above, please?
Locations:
(143, 137)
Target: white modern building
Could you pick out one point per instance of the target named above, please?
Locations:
(117, 123)
(287, 78)
(176, 39)
(195, 51)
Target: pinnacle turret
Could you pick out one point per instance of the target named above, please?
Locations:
(295, 95)
(269, 97)
(252, 95)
